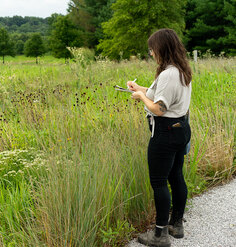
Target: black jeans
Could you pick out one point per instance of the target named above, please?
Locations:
(166, 151)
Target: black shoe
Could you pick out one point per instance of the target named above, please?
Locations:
(151, 239)
(176, 228)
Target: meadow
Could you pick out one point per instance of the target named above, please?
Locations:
(73, 162)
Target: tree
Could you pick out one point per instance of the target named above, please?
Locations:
(18, 20)
(19, 40)
(230, 38)
(34, 47)
(52, 19)
(133, 22)
(210, 25)
(88, 15)
(6, 45)
(64, 34)
(19, 46)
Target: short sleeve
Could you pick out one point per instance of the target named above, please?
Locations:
(166, 88)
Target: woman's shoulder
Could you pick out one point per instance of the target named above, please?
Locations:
(170, 72)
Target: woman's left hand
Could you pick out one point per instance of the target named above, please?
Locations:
(137, 95)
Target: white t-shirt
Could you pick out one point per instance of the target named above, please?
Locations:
(169, 89)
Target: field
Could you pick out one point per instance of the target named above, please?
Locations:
(73, 167)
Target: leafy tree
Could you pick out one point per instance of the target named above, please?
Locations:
(19, 40)
(6, 45)
(34, 47)
(210, 25)
(133, 22)
(51, 20)
(20, 36)
(19, 46)
(230, 38)
(88, 15)
(18, 20)
(64, 34)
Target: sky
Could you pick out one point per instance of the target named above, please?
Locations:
(38, 8)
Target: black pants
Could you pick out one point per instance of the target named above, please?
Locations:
(165, 160)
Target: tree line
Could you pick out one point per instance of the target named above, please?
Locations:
(120, 28)
(27, 24)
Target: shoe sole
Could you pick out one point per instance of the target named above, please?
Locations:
(177, 236)
(145, 243)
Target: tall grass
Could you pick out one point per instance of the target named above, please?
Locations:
(94, 186)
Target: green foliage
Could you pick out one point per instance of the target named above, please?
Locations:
(27, 24)
(19, 40)
(17, 165)
(64, 34)
(6, 45)
(19, 169)
(82, 56)
(210, 25)
(34, 47)
(51, 22)
(230, 38)
(16, 212)
(134, 21)
(19, 47)
(88, 15)
(120, 233)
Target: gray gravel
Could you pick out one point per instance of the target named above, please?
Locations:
(211, 220)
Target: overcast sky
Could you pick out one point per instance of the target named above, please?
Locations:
(39, 8)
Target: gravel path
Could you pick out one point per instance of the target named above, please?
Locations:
(211, 220)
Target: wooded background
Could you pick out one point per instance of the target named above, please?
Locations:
(120, 28)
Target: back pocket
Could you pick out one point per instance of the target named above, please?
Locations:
(180, 133)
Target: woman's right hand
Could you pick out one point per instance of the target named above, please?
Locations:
(133, 86)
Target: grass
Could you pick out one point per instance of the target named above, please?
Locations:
(74, 171)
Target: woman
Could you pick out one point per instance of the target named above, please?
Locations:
(167, 102)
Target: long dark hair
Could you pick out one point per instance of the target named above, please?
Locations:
(169, 50)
